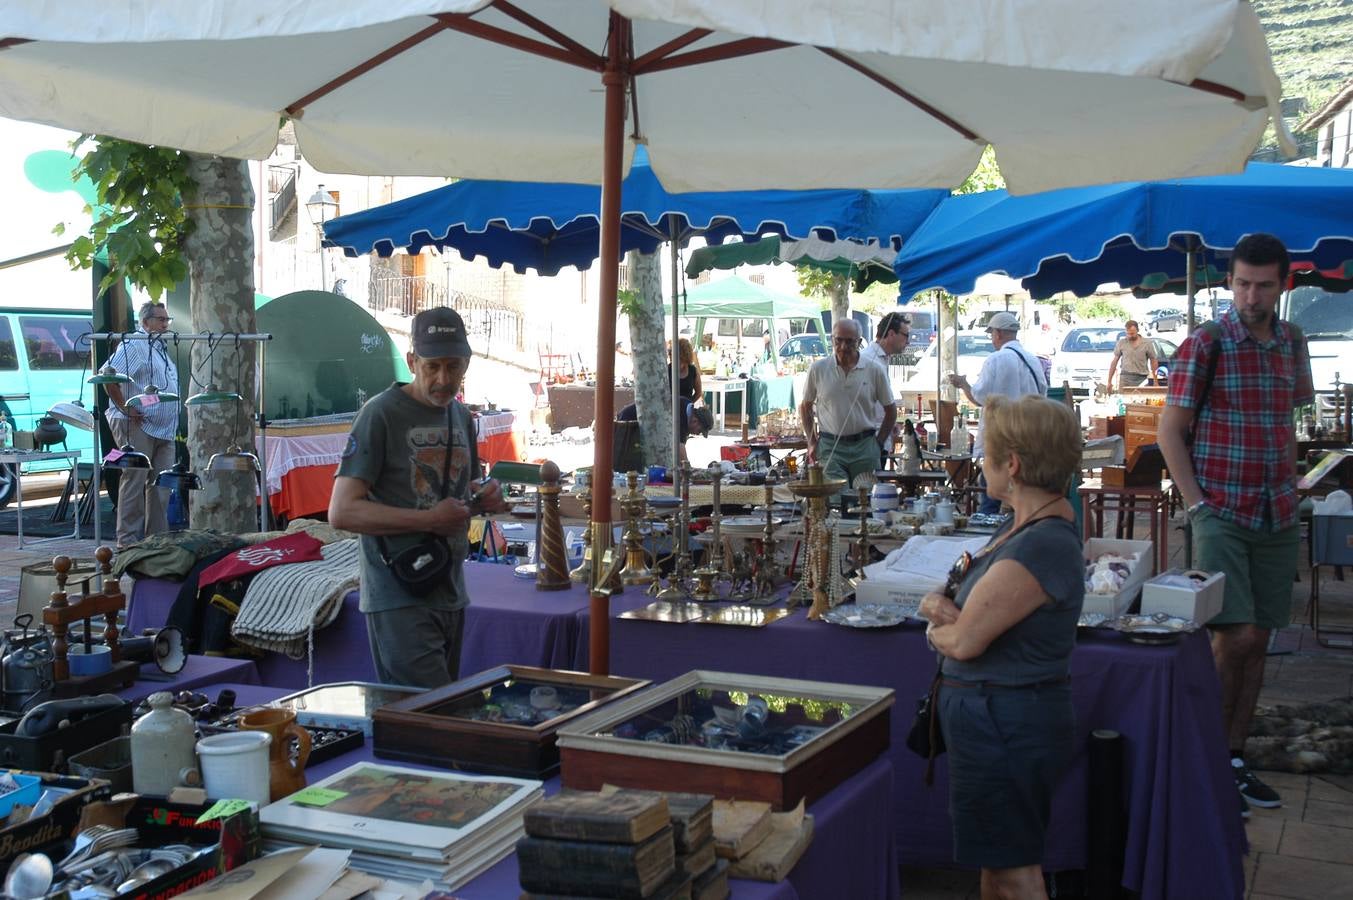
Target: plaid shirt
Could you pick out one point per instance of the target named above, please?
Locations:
(1242, 444)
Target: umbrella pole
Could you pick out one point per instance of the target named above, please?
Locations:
(1190, 279)
(677, 405)
(614, 79)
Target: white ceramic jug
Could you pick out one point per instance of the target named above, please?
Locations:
(162, 747)
(944, 512)
(883, 498)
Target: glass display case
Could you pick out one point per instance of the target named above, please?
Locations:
(746, 736)
(500, 721)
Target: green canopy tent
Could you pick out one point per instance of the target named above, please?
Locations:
(863, 264)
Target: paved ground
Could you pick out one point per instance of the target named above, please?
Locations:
(1302, 850)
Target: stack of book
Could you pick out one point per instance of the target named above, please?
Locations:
(406, 824)
(759, 844)
(622, 845)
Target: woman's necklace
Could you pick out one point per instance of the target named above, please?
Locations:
(1023, 525)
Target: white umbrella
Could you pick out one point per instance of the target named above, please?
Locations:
(871, 93)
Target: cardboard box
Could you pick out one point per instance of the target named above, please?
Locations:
(1200, 604)
(872, 590)
(1332, 540)
(59, 824)
(1114, 605)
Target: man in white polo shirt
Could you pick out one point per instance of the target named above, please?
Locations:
(845, 436)
(1011, 371)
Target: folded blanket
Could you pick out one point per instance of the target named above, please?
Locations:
(286, 604)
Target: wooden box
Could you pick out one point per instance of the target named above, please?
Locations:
(501, 721)
(747, 737)
(1145, 468)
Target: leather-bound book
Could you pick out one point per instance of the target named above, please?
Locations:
(713, 884)
(621, 817)
(591, 869)
(739, 825)
(791, 833)
(698, 860)
(692, 819)
(677, 887)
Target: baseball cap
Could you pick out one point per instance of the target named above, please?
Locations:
(439, 332)
(1003, 321)
(704, 420)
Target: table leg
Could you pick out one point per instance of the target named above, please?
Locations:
(1163, 519)
(18, 502)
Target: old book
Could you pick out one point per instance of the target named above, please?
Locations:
(713, 884)
(551, 866)
(692, 819)
(698, 860)
(771, 860)
(739, 825)
(676, 887)
(621, 817)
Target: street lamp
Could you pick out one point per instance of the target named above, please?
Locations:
(322, 207)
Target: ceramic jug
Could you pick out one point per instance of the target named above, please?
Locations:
(163, 742)
(286, 772)
(944, 512)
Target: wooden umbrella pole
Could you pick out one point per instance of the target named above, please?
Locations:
(615, 80)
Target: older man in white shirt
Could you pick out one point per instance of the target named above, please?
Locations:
(842, 390)
(1011, 371)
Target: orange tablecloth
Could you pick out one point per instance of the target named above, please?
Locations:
(305, 490)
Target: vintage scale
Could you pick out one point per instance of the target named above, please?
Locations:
(821, 584)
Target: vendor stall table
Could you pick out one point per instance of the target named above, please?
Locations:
(17, 459)
(197, 672)
(850, 856)
(302, 458)
(717, 395)
(1154, 500)
(1184, 832)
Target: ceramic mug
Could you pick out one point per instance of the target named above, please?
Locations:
(235, 765)
(287, 768)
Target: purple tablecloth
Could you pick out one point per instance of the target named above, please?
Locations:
(850, 855)
(508, 621)
(196, 672)
(1185, 837)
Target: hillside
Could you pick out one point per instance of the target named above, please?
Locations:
(1312, 46)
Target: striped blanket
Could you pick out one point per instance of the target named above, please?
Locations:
(284, 605)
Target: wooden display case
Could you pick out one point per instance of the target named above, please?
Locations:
(501, 721)
(747, 737)
(1142, 422)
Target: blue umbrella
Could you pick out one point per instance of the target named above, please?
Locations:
(549, 226)
(1132, 233)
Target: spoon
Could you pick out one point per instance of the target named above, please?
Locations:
(147, 871)
(29, 876)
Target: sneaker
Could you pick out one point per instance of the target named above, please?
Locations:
(1244, 808)
(1252, 789)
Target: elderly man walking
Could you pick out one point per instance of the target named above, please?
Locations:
(842, 390)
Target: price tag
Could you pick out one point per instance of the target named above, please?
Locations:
(113, 456)
(317, 796)
(222, 809)
(149, 400)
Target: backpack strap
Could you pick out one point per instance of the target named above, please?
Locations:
(1041, 388)
(1214, 339)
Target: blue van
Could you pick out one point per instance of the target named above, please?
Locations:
(43, 361)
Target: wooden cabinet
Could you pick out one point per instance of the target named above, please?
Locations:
(1142, 420)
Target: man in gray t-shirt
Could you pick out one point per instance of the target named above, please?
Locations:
(390, 490)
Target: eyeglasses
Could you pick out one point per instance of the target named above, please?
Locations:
(159, 318)
(957, 574)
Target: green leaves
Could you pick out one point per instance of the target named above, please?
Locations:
(140, 221)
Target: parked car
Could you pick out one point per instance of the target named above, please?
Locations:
(1327, 320)
(1084, 356)
(1164, 319)
(809, 346)
(973, 349)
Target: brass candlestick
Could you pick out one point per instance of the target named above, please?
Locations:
(678, 581)
(766, 571)
(633, 503)
(862, 545)
(583, 573)
(817, 539)
(552, 572)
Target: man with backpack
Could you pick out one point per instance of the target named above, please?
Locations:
(1227, 436)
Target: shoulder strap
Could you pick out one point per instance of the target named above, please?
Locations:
(1214, 339)
(1038, 386)
(474, 445)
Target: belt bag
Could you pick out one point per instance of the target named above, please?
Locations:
(420, 567)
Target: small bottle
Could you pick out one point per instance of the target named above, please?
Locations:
(6, 433)
(958, 436)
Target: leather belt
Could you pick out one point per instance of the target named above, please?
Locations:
(848, 438)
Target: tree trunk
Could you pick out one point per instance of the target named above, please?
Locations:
(652, 391)
(220, 252)
(840, 294)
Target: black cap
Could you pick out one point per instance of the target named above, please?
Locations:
(704, 419)
(438, 333)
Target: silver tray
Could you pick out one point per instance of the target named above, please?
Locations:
(747, 525)
(870, 615)
(1094, 620)
(1157, 628)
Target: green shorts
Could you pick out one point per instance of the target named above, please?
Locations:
(848, 459)
(1260, 567)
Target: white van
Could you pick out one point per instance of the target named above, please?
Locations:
(1327, 320)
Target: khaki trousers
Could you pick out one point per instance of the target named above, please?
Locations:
(140, 504)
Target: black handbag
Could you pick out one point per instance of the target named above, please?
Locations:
(925, 738)
(422, 566)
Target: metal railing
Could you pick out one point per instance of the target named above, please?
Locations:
(282, 195)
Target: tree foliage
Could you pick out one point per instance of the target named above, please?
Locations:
(139, 219)
(1092, 308)
(986, 177)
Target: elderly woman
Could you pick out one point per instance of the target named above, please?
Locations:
(1005, 639)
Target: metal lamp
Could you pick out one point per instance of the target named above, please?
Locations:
(322, 207)
(73, 413)
(212, 394)
(131, 458)
(143, 399)
(233, 460)
(108, 375)
(178, 478)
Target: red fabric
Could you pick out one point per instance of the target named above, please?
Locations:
(734, 454)
(289, 548)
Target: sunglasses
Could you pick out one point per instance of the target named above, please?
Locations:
(957, 573)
